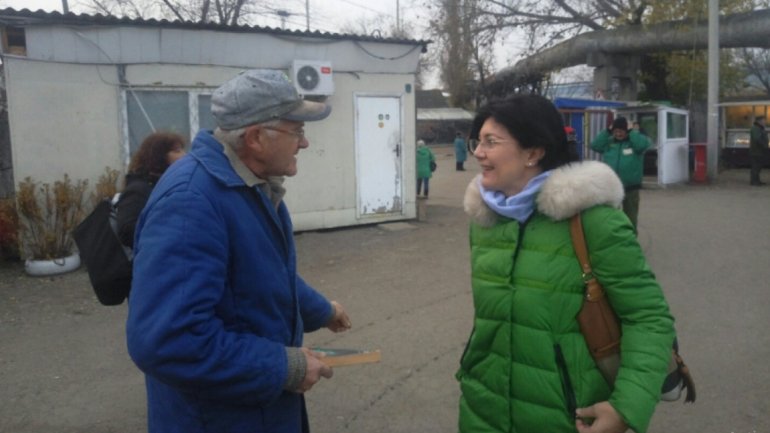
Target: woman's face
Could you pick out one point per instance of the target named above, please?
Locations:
(505, 165)
(174, 154)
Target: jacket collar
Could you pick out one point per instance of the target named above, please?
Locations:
(211, 155)
(569, 189)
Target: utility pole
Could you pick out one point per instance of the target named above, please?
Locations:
(712, 126)
(307, 15)
(398, 17)
(283, 14)
(64, 6)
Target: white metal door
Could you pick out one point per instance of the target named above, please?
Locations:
(673, 146)
(378, 155)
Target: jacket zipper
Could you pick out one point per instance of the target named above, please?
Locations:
(465, 351)
(522, 226)
(566, 383)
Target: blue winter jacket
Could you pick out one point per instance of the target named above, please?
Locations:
(215, 300)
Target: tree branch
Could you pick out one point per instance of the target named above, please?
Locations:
(578, 17)
(173, 10)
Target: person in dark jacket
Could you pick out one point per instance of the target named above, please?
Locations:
(218, 311)
(623, 150)
(156, 153)
(758, 149)
(526, 366)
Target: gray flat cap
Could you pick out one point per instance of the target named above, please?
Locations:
(259, 95)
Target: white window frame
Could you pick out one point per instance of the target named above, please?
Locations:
(192, 105)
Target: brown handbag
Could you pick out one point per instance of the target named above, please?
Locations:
(601, 328)
(598, 322)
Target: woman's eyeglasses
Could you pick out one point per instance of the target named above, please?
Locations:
(485, 144)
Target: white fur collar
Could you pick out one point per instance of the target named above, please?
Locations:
(568, 190)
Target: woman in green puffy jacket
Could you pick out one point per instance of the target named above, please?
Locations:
(424, 158)
(526, 367)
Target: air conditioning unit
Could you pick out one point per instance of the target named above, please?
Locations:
(312, 77)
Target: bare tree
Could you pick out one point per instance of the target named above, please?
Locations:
(126, 8)
(230, 12)
(756, 63)
(224, 11)
(547, 23)
(464, 48)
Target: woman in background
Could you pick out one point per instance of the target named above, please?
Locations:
(461, 152)
(526, 367)
(156, 153)
(424, 173)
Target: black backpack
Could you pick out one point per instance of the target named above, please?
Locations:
(107, 260)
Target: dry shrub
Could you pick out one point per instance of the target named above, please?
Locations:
(9, 229)
(48, 214)
(106, 187)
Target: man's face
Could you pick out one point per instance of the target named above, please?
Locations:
(619, 134)
(274, 148)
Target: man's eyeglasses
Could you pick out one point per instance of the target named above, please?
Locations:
(486, 144)
(299, 133)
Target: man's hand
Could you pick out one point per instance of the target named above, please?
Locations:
(605, 419)
(315, 369)
(340, 321)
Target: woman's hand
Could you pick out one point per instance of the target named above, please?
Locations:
(605, 419)
(340, 321)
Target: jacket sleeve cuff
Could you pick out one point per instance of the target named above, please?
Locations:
(332, 313)
(297, 369)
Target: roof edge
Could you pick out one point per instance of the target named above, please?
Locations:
(26, 17)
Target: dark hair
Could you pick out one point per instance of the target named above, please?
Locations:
(620, 123)
(150, 161)
(534, 122)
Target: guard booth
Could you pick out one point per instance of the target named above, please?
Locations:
(667, 128)
(588, 117)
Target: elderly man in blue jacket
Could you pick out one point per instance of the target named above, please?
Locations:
(217, 310)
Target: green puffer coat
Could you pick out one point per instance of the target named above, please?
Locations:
(424, 158)
(526, 366)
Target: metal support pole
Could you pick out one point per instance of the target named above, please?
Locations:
(398, 18)
(283, 14)
(307, 15)
(65, 6)
(712, 120)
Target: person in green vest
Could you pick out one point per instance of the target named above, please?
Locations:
(425, 163)
(623, 150)
(526, 367)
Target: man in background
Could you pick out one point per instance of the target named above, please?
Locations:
(624, 152)
(758, 149)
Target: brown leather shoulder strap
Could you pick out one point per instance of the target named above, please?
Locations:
(579, 243)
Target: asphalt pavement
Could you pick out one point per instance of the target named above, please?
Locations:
(64, 366)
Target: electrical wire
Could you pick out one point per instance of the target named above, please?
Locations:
(127, 83)
(361, 47)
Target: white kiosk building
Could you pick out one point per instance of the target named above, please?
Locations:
(82, 92)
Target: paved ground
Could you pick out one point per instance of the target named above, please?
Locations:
(64, 367)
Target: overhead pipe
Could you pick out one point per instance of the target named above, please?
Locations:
(748, 29)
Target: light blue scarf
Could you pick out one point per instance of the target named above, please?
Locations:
(519, 206)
